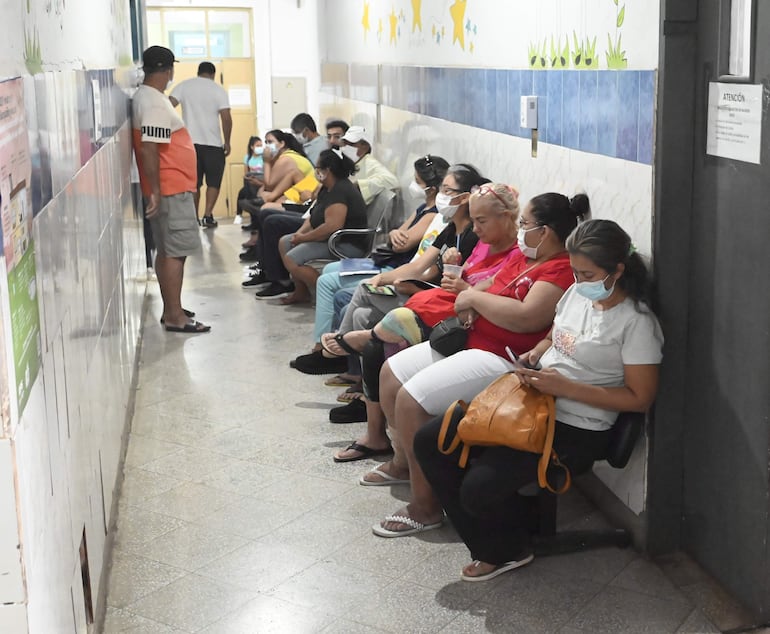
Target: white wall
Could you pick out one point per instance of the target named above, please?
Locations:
(59, 465)
(285, 45)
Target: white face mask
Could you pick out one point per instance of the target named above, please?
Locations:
(416, 191)
(273, 149)
(258, 150)
(351, 152)
(530, 252)
(300, 137)
(444, 208)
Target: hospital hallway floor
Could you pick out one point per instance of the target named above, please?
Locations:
(233, 518)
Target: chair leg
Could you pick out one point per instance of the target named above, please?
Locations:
(550, 542)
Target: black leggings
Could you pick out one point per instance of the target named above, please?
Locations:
(483, 500)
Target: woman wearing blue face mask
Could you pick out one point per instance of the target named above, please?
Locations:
(601, 357)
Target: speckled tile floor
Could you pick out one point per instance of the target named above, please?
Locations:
(234, 519)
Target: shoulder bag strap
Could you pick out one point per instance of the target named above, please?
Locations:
(549, 454)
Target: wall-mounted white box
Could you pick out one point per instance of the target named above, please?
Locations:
(528, 112)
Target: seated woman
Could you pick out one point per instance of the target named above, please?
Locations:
(404, 241)
(453, 246)
(494, 210)
(289, 177)
(339, 205)
(514, 309)
(600, 358)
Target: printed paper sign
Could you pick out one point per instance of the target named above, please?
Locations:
(734, 121)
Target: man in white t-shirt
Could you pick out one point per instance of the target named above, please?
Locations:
(204, 104)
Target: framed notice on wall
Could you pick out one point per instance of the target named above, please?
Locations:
(734, 121)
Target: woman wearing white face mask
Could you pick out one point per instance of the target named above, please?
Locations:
(405, 242)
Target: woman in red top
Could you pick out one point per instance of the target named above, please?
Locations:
(514, 309)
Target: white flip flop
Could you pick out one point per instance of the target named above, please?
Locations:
(416, 527)
(387, 479)
(501, 569)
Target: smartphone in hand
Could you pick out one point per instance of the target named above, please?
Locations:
(517, 362)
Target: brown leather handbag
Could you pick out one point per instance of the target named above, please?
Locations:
(511, 414)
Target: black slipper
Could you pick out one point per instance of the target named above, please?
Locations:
(189, 327)
(366, 452)
(189, 314)
(339, 338)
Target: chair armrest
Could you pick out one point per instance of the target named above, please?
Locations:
(342, 233)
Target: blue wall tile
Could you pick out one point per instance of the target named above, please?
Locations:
(502, 109)
(456, 104)
(628, 115)
(646, 116)
(514, 92)
(540, 88)
(588, 114)
(475, 86)
(488, 119)
(570, 109)
(607, 113)
(435, 94)
(555, 78)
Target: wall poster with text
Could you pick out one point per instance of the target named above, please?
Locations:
(18, 251)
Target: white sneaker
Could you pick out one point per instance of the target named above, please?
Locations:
(238, 220)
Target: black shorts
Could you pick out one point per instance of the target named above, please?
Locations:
(211, 162)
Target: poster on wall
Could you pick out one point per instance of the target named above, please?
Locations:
(734, 121)
(18, 247)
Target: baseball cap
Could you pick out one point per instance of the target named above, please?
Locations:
(357, 133)
(157, 57)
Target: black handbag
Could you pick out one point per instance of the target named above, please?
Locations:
(448, 336)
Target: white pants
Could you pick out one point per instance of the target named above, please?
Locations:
(435, 381)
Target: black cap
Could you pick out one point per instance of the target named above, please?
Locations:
(157, 58)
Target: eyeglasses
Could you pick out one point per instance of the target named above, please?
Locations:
(529, 223)
(450, 191)
(483, 190)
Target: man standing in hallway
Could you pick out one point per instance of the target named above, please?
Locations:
(204, 104)
(372, 176)
(165, 156)
(304, 129)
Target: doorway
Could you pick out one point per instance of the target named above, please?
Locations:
(222, 37)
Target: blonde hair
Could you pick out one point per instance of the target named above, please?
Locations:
(501, 198)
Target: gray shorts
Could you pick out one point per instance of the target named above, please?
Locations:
(175, 226)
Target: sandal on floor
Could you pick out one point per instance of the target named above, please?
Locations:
(190, 327)
(414, 526)
(387, 479)
(188, 313)
(339, 339)
(353, 393)
(366, 452)
(341, 381)
(501, 569)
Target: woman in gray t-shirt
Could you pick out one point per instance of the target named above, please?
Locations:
(600, 358)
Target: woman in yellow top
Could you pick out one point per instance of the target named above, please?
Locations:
(289, 175)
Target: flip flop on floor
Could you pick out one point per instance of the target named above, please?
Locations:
(353, 393)
(414, 527)
(339, 339)
(188, 313)
(190, 327)
(387, 479)
(366, 452)
(341, 381)
(501, 569)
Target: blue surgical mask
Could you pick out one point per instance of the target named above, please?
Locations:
(258, 150)
(595, 291)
